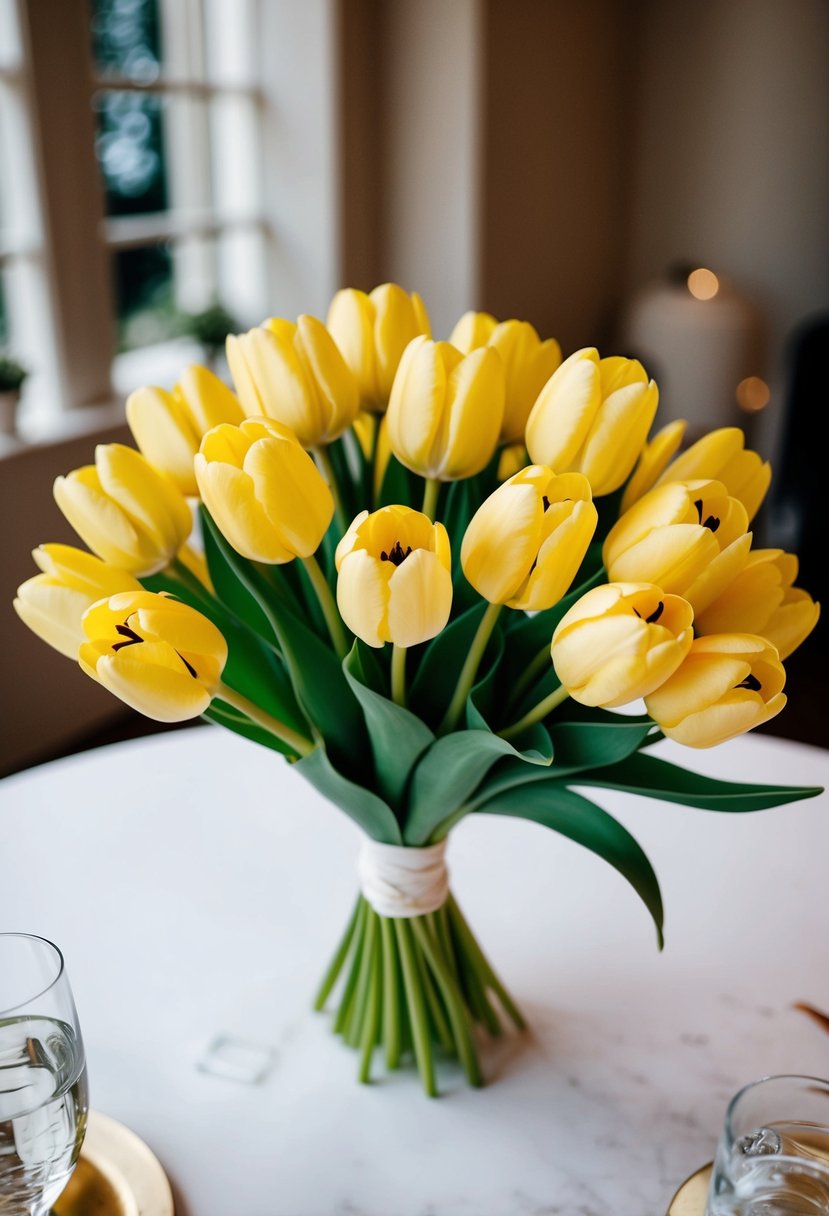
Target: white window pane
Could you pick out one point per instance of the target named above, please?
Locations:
(231, 43)
(29, 340)
(186, 136)
(19, 211)
(194, 261)
(243, 286)
(10, 49)
(234, 131)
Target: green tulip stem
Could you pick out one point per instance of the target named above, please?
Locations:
(535, 668)
(179, 572)
(327, 469)
(430, 497)
(398, 675)
(470, 668)
(328, 605)
(292, 738)
(537, 714)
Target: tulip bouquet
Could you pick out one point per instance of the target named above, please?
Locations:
(427, 573)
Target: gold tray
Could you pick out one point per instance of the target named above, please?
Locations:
(116, 1175)
(691, 1196)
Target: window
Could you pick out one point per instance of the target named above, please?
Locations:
(158, 156)
(134, 132)
(178, 134)
(24, 303)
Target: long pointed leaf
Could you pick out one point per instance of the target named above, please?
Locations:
(654, 778)
(397, 737)
(448, 773)
(369, 812)
(554, 806)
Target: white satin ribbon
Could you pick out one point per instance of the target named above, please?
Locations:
(403, 882)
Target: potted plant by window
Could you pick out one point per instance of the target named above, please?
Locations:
(12, 376)
(210, 328)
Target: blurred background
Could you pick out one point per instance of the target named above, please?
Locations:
(648, 176)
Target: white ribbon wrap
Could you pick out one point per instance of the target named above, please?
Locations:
(403, 882)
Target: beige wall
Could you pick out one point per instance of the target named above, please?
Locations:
(46, 702)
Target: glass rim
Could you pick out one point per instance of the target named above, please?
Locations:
(35, 937)
(784, 1076)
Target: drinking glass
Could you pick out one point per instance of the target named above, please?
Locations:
(773, 1154)
(43, 1092)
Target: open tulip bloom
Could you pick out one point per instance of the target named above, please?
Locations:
(423, 639)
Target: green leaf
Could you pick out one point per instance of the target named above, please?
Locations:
(233, 594)
(437, 676)
(527, 635)
(449, 772)
(400, 486)
(230, 719)
(369, 812)
(533, 744)
(397, 737)
(254, 666)
(554, 806)
(653, 778)
(314, 670)
(595, 738)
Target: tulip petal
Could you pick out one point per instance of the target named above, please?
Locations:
(104, 527)
(617, 436)
(363, 596)
(501, 542)
(229, 496)
(157, 691)
(292, 492)
(420, 599)
(472, 417)
(416, 404)
(165, 434)
(53, 612)
(655, 458)
(564, 412)
(208, 399)
(150, 499)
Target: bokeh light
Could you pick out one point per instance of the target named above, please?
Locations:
(752, 394)
(703, 284)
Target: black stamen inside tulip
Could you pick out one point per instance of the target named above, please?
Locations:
(395, 555)
(130, 636)
(654, 616)
(712, 523)
(751, 682)
(189, 666)
(546, 502)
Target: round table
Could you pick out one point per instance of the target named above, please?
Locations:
(198, 885)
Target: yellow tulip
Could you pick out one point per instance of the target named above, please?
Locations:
(295, 375)
(160, 656)
(168, 427)
(372, 331)
(728, 684)
(528, 365)
(52, 603)
(621, 641)
(512, 460)
(264, 492)
(364, 429)
(688, 538)
(446, 409)
(526, 542)
(655, 458)
(395, 581)
(593, 416)
(763, 600)
(473, 330)
(129, 513)
(722, 456)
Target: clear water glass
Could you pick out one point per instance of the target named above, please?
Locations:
(43, 1089)
(773, 1154)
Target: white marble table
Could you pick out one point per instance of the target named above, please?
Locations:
(176, 872)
